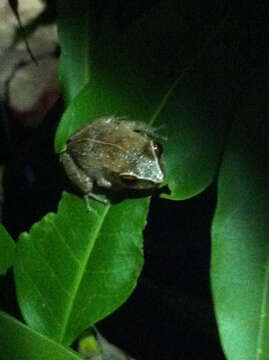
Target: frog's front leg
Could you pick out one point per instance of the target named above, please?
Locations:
(79, 179)
(146, 129)
(102, 182)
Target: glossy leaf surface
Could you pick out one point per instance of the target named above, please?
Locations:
(75, 267)
(240, 249)
(74, 30)
(66, 278)
(17, 341)
(152, 74)
(7, 250)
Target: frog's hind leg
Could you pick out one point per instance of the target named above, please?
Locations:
(75, 175)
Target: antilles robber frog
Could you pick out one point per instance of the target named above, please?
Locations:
(113, 153)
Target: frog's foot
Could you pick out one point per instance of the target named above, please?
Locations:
(102, 182)
(148, 130)
(153, 132)
(95, 197)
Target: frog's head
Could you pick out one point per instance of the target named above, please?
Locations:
(146, 168)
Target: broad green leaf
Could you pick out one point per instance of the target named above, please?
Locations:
(153, 74)
(76, 267)
(19, 342)
(74, 30)
(240, 249)
(7, 250)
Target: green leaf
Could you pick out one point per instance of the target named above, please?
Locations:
(153, 74)
(7, 250)
(76, 267)
(73, 23)
(240, 249)
(19, 342)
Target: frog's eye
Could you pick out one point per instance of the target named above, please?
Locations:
(128, 179)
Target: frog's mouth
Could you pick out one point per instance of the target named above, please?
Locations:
(131, 180)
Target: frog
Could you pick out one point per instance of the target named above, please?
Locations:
(113, 153)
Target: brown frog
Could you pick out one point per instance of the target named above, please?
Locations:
(113, 153)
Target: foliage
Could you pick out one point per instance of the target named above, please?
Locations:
(75, 267)
(18, 341)
(240, 267)
(7, 253)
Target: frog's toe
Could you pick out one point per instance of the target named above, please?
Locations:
(102, 182)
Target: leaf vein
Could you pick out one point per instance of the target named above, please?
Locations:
(80, 274)
(263, 313)
(49, 307)
(53, 272)
(69, 249)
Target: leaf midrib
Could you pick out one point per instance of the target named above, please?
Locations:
(263, 312)
(80, 275)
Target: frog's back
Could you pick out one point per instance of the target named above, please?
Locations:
(96, 129)
(93, 145)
